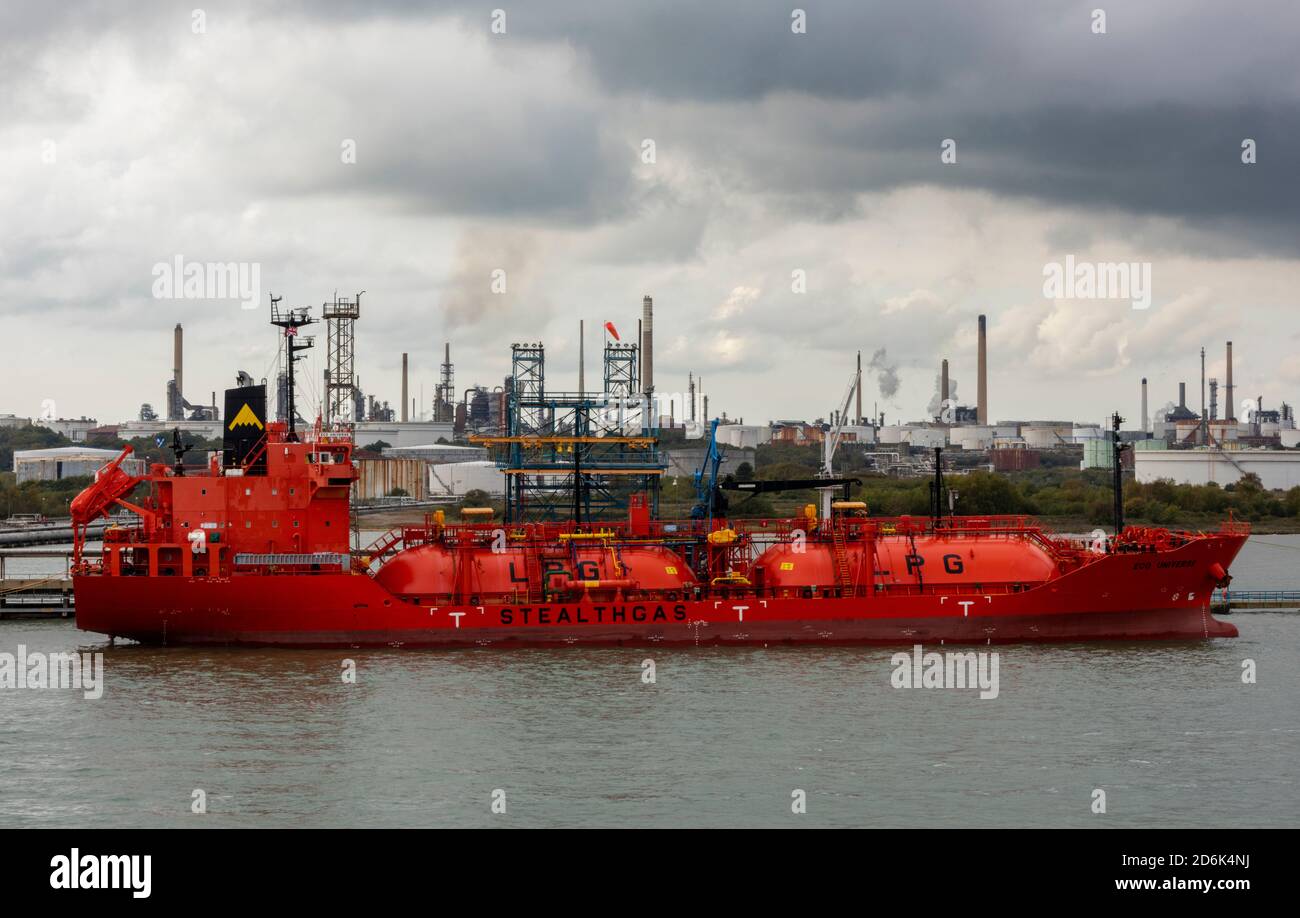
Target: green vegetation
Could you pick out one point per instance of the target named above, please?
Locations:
(50, 498)
(20, 438)
(1060, 493)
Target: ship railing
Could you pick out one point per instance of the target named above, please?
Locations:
(299, 563)
(705, 592)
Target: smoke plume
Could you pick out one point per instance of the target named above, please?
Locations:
(886, 373)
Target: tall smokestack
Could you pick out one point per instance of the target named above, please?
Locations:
(858, 418)
(983, 384)
(943, 384)
(178, 359)
(405, 399)
(1229, 406)
(1145, 419)
(647, 345)
(1205, 427)
(1182, 395)
(178, 373)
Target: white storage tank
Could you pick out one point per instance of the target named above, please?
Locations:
(456, 479)
(1045, 436)
(927, 437)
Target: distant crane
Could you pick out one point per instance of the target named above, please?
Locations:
(832, 440)
(708, 497)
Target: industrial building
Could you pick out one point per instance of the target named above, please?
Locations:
(402, 433)
(1277, 469)
(439, 453)
(208, 430)
(384, 477)
(456, 479)
(61, 462)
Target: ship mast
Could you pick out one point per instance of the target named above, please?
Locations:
(291, 320)
(1118, 469)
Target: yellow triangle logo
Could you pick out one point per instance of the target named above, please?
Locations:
(245, 416)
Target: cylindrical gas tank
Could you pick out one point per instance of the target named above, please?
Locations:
(495, 573)
(785, 567)
(652, 567)
(937, 560)
(968, 561)
(425, 570)
(649, 567)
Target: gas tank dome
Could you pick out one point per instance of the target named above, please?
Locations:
(652, 567)
(423, 570)
(784, 567)
(939, 560)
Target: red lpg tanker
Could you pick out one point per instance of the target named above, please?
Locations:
(255, 549)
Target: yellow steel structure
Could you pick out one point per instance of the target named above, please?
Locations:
(538, 442)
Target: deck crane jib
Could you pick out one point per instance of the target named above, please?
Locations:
(709, 499)
(831, 440)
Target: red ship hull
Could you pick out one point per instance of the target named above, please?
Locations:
(257, 552)
(1118, 597)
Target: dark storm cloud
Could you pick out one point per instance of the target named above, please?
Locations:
(1148, 118)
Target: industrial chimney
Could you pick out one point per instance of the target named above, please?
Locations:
(982, 404)
(1146, 422)
(647, 346)
(175, 400)
(1229, 406)
(858, 417)
(943, 384)
(405, 401)
(178, 359)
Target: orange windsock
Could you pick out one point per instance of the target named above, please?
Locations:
(609, 327)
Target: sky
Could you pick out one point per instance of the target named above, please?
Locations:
(791, 184)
